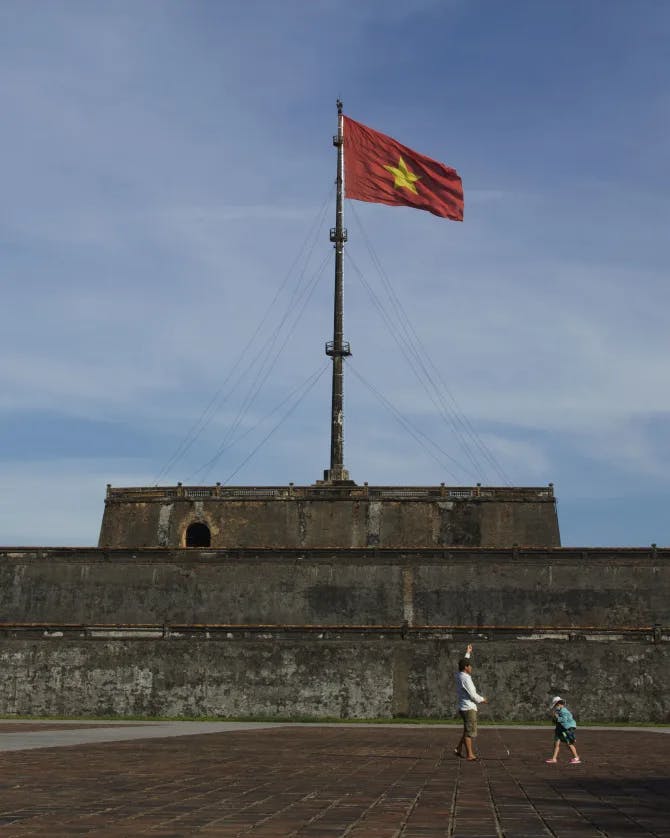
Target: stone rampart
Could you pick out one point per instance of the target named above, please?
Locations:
(360, 674)
(331, 516)
(535, 587)
(345, 633)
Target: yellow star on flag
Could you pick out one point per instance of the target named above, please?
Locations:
(403, 178)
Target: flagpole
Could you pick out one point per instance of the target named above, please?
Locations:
(338, 349)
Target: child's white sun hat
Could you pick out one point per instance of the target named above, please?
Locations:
(555, 700)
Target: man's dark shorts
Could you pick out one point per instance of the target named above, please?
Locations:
(469, 722)
(565, 734)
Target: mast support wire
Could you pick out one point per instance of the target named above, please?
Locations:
(411, 346)
(269, 363)
(307, 386)
(415, 432)
(305, 253)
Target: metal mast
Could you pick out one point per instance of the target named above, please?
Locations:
(338, 349)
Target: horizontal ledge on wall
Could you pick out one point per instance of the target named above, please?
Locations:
(225, 631)
(410, 556)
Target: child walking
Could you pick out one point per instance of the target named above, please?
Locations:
(566, 727)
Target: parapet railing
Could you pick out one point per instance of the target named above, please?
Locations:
(148, 494)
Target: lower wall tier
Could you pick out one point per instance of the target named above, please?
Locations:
(348, 675)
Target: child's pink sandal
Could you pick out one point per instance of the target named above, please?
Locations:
(551, 760)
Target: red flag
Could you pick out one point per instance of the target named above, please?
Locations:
(379, 169)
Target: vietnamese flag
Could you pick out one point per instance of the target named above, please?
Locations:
(379, 169)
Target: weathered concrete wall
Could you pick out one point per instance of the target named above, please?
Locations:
(352, 677)
(376, 632)
(348, 517)
(562, 587)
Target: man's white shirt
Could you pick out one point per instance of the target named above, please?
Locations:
(468, 697)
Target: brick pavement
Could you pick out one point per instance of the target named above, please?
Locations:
(326, 782)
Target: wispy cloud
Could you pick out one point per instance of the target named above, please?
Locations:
(163, 166)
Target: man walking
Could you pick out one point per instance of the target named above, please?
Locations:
(468, 699)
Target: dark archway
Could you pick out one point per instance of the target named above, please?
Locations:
(198, 535)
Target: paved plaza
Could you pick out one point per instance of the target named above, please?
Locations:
(181, 779)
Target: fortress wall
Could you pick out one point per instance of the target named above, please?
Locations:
(343, 633)
(360, 676)
(351, 521)
(560, 588)
(526, 524)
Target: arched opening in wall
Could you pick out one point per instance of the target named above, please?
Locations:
(198, 535)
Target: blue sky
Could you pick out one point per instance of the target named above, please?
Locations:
(167, 186)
